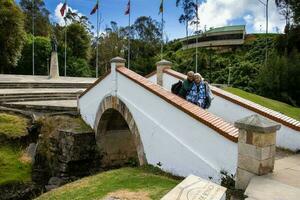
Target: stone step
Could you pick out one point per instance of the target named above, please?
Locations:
(45, 98)
(3, 98)
(46, 106)
(14, 96)
(7, 85)
(4, 95)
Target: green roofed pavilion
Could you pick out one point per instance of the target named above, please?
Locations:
(226, 36)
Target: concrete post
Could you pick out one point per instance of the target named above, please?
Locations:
(160, 66)
(256, 148)
(118, 62)
(115, 63)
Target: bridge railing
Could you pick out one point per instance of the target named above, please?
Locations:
(231, 108)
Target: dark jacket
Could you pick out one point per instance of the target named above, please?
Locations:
(185, 89)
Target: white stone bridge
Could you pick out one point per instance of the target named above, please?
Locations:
(138, 117)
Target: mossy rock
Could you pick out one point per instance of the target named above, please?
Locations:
(13, 126)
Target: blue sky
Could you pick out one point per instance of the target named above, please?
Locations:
(213, 13)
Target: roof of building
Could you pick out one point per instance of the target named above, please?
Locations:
(224, 29)
(227, 29)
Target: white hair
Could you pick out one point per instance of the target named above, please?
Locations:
(198, 75)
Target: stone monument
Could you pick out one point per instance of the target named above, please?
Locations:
(196, 188)
(54, 70)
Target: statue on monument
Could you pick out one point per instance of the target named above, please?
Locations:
(54, 71)
(54, 43)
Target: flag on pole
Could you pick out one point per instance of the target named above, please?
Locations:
(63, 9)
(127, 11)
(95, 8)
(161, 7)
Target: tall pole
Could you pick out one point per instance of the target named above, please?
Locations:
(229, 74)
(97, 50)
(33, 47)
(65, 47)
(267, 27)
(129, 36)
(266, 4)
(162, 32)
(197, 18)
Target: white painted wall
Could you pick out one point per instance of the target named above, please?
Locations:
(153, 78)
(286, 137)
(89, 103)
(168, 81)
(180, 143)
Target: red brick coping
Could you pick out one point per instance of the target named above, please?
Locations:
(151, 74)
(216, 123)
(95, 83)
(271, 114)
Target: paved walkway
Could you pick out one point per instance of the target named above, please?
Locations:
(282, 184)
(43, 79)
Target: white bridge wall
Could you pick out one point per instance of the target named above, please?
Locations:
(181, 144)
(89, 103)
(286, 137)
(171, 137)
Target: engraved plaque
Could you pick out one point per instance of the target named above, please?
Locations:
(196, 188)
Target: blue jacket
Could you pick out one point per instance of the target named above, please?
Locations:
(197, 94)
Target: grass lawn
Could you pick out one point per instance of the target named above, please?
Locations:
(278, 106)
(13, 125)
(141, 181)
(12, 167)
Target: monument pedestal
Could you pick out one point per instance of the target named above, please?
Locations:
(54, 70)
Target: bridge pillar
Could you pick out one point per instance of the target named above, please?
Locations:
(115, 63)
(160, 66)
(256, 148)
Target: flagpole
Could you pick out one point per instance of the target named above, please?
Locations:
(33, 46)
(162, 31)
(197, 18)
(97, 58)
(129, 36)
(65, 47)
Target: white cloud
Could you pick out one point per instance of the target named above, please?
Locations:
(215, 13)
(57, 15)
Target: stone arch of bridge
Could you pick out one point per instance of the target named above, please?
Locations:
(117, 134)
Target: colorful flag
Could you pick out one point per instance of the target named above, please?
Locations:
(161, 7)
(95, 8)
(127, 11)
(63, 9)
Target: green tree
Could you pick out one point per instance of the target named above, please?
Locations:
(280, 78)
(42, 56)
(188, 7)
(78, 48)
(78, 67)
(78, 41)
(72, 17)
(40, 13)
(12, 34)
(147, 29)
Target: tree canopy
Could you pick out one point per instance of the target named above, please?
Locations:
(36, 9)
(12, 35)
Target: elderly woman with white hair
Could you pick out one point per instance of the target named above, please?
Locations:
(197, 94)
